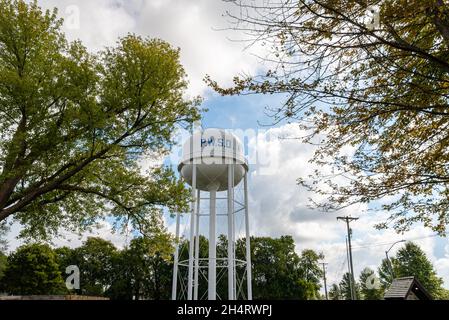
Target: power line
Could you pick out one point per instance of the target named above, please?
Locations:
(338, 272)
(341, 271)
(380, 244)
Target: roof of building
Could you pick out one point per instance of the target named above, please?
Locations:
(401, 288)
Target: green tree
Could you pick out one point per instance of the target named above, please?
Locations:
(279, 273)
(3, 265)
(310, 268)
(410, 260)
(74, 125)
(95, 259)
(33, 270)
(144, 270)
(379, 89)
(443, 294)
(386, 273)
(335, 293)
(66, 257)
(123, 284)
(345, 288)
(370, 287)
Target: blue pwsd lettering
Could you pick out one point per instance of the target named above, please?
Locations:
(212, 142)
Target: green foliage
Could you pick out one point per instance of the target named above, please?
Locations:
(443, 294)
(141, 271)
(3, 266)
(144, 270)
(33, 270)
(345, 288)
(123, 286)
(279, 273)
(368, 288)
(65, 257)
(95, 259)
(385, 273)
(412, 261)
(335, 293)
(309, 267)
(374, 98)
(74, 126)
(274, 273)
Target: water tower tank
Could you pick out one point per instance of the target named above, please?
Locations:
(212, 150)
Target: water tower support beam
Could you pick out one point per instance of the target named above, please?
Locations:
(233, 239)
(176, 260)
(231, 274)
(197, 246)
(192, 234)
(248, 240)
(212, 277)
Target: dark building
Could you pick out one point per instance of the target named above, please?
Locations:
(407, 288)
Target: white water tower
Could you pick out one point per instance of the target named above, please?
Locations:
(213, 161)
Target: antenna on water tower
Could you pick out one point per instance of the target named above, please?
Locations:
(213, 161)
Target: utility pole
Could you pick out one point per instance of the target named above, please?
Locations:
(349, 269)
(349, 219)
(324, 277)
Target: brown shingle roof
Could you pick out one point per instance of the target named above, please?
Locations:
(400, 288)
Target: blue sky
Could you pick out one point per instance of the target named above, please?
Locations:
(278, 206)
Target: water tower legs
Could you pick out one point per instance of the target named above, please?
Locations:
(212, 274)
(192, 235)
(197, 246)
(236, 269)
(248, 241)
(231, 270)
(176, 260)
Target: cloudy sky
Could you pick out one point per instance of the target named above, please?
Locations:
(277, 205)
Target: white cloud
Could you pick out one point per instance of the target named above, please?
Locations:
(279, 205)
(191, 25)
(101, 22)
(442, 265)
(69, 239)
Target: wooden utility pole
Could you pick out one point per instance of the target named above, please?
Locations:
(324, 278)
(348, 219)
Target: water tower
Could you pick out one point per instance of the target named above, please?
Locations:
(213, 162)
